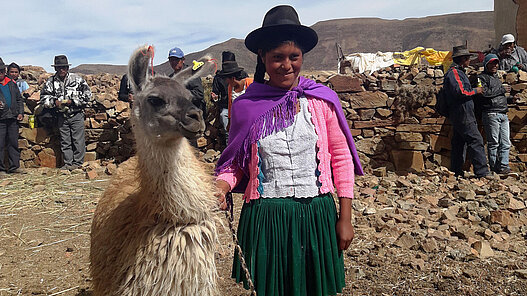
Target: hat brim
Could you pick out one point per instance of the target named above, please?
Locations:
(233, 71)
(306, 37)
(61, 65)
(464, 54)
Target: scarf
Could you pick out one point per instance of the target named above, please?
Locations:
(264, 109)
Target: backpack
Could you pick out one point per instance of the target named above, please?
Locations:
(441, 105)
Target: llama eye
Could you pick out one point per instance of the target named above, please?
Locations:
(156, 102)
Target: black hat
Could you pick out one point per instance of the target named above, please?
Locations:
(227, 56)
(60, 60)
(282, 23)
(459, 51)
(2, 65)
(229, 67)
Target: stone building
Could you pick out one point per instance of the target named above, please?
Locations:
(510, 16)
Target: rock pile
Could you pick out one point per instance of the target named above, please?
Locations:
(420, 220)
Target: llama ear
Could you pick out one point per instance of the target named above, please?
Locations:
(209, 67)
(138, 67)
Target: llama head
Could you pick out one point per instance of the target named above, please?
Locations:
(162, 108)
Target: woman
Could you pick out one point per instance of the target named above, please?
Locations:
(289, 142)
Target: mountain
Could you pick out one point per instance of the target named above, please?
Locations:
(359, 35)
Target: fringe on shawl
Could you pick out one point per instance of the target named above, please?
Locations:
(275, 119)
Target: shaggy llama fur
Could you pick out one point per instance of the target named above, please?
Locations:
(154, 229)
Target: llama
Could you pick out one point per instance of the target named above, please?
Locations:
(154, 229)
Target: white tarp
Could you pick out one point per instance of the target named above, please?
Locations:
(362, 62)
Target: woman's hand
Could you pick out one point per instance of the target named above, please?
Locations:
(222, 188)
(345, 233)
(344, 228)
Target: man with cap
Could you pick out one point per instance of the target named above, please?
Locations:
(176, 58)
(466, 137)
(493, 103)
(223, 91)
(69, 94)
(11, 111)
(512, 57)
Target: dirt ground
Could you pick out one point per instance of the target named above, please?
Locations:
(45, 218)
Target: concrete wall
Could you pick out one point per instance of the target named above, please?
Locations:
(504, 18)
(521, 23)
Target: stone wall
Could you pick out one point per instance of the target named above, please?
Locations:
(108, 134)
(390, 113)
(107, 123)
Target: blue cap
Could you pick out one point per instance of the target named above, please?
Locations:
(176, 52)
(488, 58)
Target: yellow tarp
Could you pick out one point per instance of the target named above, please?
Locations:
(413, 57)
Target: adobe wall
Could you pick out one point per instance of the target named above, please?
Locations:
(505, 12)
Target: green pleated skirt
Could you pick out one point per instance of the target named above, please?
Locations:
(290, 246)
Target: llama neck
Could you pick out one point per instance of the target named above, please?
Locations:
(172, 176)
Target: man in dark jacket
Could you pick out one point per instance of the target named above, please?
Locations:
(125, 90)
(493, 103)
(466, 137)
(176, 58)
(11, 111)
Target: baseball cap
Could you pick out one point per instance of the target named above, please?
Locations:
(489, 58)
(176, 52)
(507, 38)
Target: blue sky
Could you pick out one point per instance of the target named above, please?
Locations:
(106, 32)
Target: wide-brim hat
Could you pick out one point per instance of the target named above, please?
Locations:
(282, 23)
(229, 67)
(460, 51)
(60, 61)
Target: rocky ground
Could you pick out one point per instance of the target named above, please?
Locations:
(426, 234)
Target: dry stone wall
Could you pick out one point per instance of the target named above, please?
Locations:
(390, 113)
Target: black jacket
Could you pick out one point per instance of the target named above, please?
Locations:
(460, 96)
(196, 89)
(493, 98)
(17, 103)
(219, 87)
(124, 89)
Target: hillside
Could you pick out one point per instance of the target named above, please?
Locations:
(360, 35)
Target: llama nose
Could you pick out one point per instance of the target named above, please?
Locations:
(193, 120)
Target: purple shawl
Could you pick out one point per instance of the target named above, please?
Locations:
(264, 109)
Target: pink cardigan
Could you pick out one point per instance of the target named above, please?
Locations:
(333, 155)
